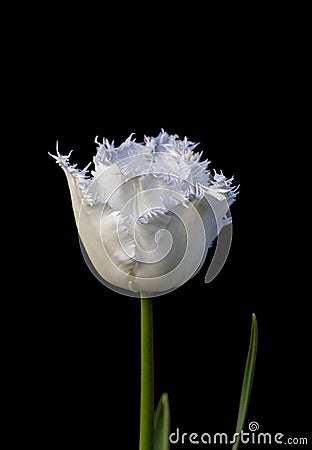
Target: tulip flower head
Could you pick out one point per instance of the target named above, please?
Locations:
(148, 212)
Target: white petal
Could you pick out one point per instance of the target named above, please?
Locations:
(136, 164)
(76, 193)
(98, 229)
(104, 237)
(192, 230)
(111, 186)
(182, 259)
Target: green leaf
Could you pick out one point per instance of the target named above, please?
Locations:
(248, 379)
(162, 424)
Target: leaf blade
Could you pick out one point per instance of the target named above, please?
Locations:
(162, 424)
(247, 380)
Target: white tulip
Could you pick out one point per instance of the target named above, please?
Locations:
(149, 211)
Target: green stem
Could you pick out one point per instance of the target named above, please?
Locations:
(147, 375)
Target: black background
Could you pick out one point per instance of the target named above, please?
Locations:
(239, 97)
